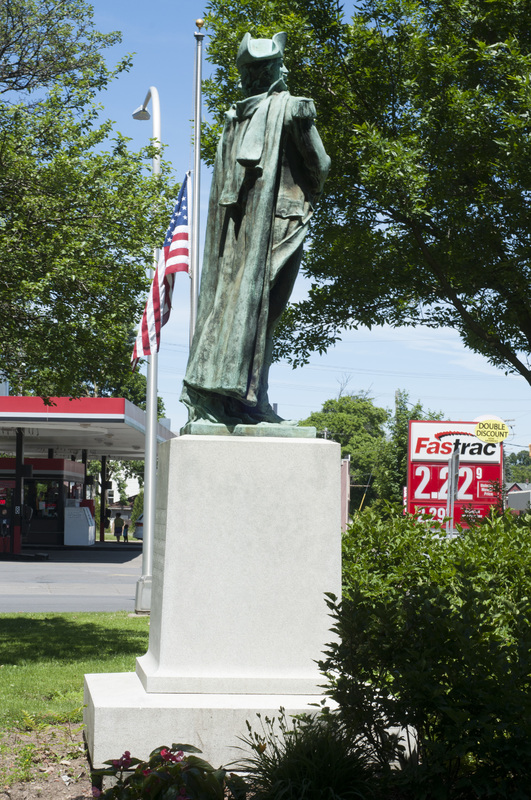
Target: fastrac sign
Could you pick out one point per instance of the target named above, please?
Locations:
(431, 444)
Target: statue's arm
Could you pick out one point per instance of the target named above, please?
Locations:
(301, 116)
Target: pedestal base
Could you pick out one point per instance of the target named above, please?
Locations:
(125, 717)
(247, 542)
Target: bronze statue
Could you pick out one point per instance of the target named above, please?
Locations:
(270, 168)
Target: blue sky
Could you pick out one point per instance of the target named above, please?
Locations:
(431, 365)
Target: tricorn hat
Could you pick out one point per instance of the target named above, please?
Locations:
(252, 50)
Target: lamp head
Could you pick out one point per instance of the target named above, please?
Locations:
(141, 113)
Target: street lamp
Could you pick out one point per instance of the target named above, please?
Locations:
(143, 586)
(141, 113)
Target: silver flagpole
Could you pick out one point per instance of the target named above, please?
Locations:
(143, 586)
(194, 265)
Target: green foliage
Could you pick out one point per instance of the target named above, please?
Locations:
(120, 479)
(23, 764)
(517, 467)
(309, 758)
(391, 469)
(169, 773)
(79, 214)
(434, 638)
(117, 471)
(374, 439)
(132, 387)
(138, 508)
(43, 41)
(358, 425)
(425, 110)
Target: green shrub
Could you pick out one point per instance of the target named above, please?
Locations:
(307, 758)
(434, 637)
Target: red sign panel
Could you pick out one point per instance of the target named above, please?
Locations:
(431, 444)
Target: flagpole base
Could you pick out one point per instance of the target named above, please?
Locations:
(143, 595)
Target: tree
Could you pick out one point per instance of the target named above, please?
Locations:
(391, 471)
(518, 467)
(79, 215)
(425, 109)
(43, 41)
(374, 438)
(138, 507)
(358, 425)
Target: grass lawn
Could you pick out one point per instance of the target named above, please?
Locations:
(110, 537)
(44, 656)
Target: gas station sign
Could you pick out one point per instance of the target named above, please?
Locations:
(431, 445)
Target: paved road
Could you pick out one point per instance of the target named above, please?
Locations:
(72, 580)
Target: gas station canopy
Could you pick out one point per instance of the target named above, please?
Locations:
(103, 426)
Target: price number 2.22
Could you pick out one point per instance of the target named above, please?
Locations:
(435, 486)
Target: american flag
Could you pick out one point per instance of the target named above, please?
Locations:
(174, 257)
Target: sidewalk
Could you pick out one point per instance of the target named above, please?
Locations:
(34, 552)
(135, 544)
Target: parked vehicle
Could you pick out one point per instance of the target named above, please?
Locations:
(139, 527)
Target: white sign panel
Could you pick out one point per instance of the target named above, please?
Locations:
(436, 441)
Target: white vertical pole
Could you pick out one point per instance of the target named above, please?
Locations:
(194, 266)
(143, 587)
(453, 483)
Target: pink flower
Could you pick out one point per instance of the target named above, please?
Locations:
(96, 792)
(146, 772)
(167, 755)
(124, 762)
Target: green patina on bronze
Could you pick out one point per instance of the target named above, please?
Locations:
(270, 168)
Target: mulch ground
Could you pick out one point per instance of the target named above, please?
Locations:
(47, 763)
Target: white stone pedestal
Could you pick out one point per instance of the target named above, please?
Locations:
(247, 542)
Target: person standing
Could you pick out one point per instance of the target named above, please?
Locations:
(118, 526)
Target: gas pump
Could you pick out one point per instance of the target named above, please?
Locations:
(6, 517)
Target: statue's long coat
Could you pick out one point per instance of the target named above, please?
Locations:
(269, 168)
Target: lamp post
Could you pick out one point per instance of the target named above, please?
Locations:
(143, 586)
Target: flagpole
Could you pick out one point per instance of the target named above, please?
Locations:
(194, 265)
(143, 586)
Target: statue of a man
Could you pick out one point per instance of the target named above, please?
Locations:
(270, 168)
